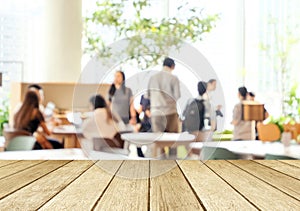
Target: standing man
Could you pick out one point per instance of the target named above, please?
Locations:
(211, 87)
(164, 91)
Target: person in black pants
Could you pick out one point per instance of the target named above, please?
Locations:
(145, 123)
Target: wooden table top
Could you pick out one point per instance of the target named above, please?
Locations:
(150, 185)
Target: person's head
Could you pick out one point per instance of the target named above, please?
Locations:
(169, 63)
(39, 91)
(202, 86)
(211, 85)
(242, 93)
(23, 116)
(251, 96)
(119, 78)
(97, 101)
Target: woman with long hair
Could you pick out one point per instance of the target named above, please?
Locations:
(30, 118)
(103, 124)
(121, 99)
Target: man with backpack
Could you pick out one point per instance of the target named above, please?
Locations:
(198, 113)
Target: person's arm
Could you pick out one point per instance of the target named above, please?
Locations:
(176, 89)
(213, 125)
(237, 115)
(45, 128)
(132, 112)
(212, 117)
(43, 125)
(43, 141)
(266, 113)
(140, 109)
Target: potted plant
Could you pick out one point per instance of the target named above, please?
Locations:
(290, 122)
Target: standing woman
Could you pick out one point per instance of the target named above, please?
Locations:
(121, 99)
(242, 129)
(29, 118)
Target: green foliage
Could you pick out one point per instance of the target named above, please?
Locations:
(280, 121)
(4, 114)
(279, 49)
(292, 103)
(149, 39)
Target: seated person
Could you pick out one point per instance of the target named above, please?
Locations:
(29, 118)
(144, 111)
(48, 111)
(103, 124)
(39, 92)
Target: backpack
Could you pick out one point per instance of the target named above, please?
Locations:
(193, 116)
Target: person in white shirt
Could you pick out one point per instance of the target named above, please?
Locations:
(211, 88)
(103, 124)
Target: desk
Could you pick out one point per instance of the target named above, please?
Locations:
(150, 185)
(159, 140)
(252, 149)
(69, 133)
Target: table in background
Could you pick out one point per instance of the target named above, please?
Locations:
(60, 154)
(251, 149)
(159, 140)
(69, 134)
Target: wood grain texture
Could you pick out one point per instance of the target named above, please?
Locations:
(263, 195)
(149, 185)
(88, 188)
(7, 162)
(169, 189)
(37, 193)
(283, 182)
(214, 193)
(17, 167)
(285, 168)
(21, 179)
(292, 162)
(129, 188)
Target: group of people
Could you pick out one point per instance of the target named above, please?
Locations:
(243, 129)
(29, 117)
(157, 111)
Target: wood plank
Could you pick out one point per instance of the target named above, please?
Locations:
(129, 188)
(94, 181)
(169, 190)
(21, 179)
(17, 167)
(292, 162)
(263, 195)
(285, 168)
(210, 188)
(285, 183)
(37, 193)
(7, 162)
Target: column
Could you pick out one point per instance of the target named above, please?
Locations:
(62, 41)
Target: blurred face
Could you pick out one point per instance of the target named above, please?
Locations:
(173, 67)
(118, 78)
(251, 98)
(212, 86)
